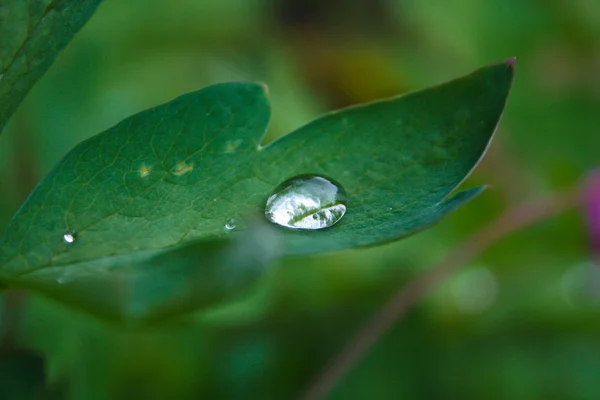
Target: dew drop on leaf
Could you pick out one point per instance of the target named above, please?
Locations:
(64, 278)
(307, 202)
(69, 237)
(230, 225)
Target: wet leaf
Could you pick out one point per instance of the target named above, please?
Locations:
(178, 173)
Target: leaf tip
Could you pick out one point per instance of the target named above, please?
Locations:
(507, 64)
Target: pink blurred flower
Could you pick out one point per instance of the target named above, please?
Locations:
(591, 202)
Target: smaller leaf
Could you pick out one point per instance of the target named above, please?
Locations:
(149, 286)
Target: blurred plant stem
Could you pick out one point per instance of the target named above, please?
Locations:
(24, 178)
(504, 169)
(11, 310)
(516, 218)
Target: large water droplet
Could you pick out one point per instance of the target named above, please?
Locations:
(230, 225)
(70, 237)
(307, 202)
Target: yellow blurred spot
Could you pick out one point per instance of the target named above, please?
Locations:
(183, 168)
(145, 171)
(232, 145)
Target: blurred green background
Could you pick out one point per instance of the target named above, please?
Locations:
(517, 323)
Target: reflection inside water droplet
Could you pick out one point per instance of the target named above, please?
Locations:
(307, 202)
(230, 225)
(69, 237)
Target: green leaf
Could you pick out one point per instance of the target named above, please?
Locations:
(149, 286)
(32, 33)
(175, 174)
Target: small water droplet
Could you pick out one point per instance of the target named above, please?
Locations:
(230, 225)
(70, 237)
(64, 278)
(307, 202)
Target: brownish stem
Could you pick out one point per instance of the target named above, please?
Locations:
(24, 170)
(397, 306)
(14, 301)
